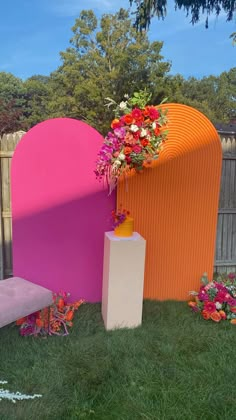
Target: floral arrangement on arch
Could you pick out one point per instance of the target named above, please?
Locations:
(137, 136)
(216, 300)
(53, 320)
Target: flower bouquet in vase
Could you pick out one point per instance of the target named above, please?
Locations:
(123, 223)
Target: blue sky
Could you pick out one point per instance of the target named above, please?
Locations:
(33, 32)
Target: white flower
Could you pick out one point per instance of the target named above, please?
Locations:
(121, 156)
(126, 96)
(154, 125)
(143, 132)
(134, 128)
(123, 105)
(218, 305)
(117, 162)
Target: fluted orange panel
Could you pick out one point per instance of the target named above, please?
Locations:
(175, 204)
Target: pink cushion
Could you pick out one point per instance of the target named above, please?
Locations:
(19, 298)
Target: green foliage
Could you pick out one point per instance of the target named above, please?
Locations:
(37, 93)
(106, 59)
(147, 9)
(214, 96)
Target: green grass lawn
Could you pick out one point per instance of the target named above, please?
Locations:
(175, 366)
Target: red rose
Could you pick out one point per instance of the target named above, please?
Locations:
(144, 142)
(210, 307)
(115, 123)
(137, 114)
(128, 119)
(157, 131)
(136, 135)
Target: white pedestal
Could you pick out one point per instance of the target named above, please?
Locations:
(123, 277)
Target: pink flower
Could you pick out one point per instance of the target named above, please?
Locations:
(153, 113)
(202, 295)
(220, 287)
(137, 114)
(210, 307)
(220, 297)
(137, 149)
(231, 301)
(231, 276)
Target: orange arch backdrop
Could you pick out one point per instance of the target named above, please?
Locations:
(175, 205)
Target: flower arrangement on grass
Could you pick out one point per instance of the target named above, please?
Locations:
(119, 217)
(138, 134)
(216, 300)
(53, 320)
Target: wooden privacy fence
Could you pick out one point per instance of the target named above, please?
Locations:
(7, 146)
(225, 254)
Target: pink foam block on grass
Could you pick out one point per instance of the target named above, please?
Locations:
(60, 211)
(20, 298)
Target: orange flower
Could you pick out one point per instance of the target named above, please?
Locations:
(115, 123)
(128, 119)
(205, 314)
(78, 303)
(233, 309)
(144, 142)
(20, 321)
(157, 131)
(69, 315)
(192, 304)
(129, 139)
(146, 111)
(233, 321)
(215, 316)
(60, 303)
(222, 314)
(39, 322)
(127, 150)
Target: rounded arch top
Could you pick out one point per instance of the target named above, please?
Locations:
(188, 130)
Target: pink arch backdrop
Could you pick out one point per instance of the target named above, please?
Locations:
(60, 211)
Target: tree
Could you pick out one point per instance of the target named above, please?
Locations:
(106, 59)
(10, 117)
(213, 96)
(12, 88)
(37, 95)
(12, 103)
(147, 9)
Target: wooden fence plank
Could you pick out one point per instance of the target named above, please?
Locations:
(7, 146)
(225, 254)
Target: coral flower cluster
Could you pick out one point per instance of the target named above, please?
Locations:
(136, 138)
(216, 300)
(54, 320)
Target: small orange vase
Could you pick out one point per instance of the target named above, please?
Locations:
(126, 228)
